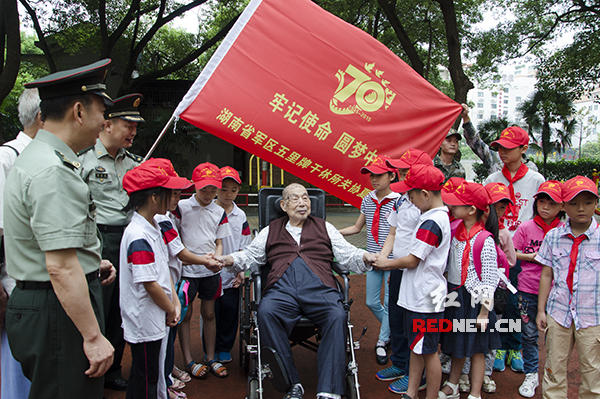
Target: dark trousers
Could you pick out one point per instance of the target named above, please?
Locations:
(512, 340)
(227, 315)
(143, 377)
(399, 344)
(111, 243)
(48, 345)
(170, 355)
(299, 291)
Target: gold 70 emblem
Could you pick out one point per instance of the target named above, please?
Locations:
(369, 95)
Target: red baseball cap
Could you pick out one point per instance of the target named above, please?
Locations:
(551, 188)
(206, 174)
(577, 185)
(498, 192)
(424, 177)
(229, 172)
(155, 172)
(452, 184)
(511, 137)
(412, 156)
(379, 166)
(468, 193)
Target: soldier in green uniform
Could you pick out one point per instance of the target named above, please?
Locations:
(103, 168)
(54, 319)
(446, 160)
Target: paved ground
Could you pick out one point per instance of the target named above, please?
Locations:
(234, 386)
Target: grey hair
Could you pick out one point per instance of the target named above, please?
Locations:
(29, 107)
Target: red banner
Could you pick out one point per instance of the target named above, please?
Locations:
(315, 96)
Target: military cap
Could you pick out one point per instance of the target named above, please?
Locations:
(125, 107)
(453, 132)
(86, 79)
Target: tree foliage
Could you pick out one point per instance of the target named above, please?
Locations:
(136, 34)
(542, 112)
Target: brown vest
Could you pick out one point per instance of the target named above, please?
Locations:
(315, 249)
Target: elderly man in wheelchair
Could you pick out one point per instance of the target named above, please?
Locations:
(300, 249)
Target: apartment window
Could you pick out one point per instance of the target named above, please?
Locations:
(494, 95)
(494, 106)
(480, 94)
(505, 101)
(479, 116)
(505, 113)
(479, 105)
(493, 117)
(506, 89)
(518, 99)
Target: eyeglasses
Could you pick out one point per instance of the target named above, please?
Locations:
(296, 199)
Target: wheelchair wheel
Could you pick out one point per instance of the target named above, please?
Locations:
(351, 388)
(253, 388)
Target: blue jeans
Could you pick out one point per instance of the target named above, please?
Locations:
(529, 332)
(512, 340)
(375, 279)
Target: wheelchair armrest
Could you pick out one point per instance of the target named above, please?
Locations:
(338, 269)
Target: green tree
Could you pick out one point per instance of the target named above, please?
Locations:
(10, 52)
(541, 112)
(134, 33)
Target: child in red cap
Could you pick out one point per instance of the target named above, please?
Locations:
(522, 184)
(374, 211)
(403, 221)
(175, 377)
(203, 225)
(474, 285)
(227, 306)
(147, 292)
(569, 309)
(548, 211)
(424, 274)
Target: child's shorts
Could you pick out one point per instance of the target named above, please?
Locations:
(206, 287)
(422, 341)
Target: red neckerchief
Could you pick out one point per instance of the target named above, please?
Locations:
(462, 235)
(512, 211)
(375, 224)
(544, 226)
(501, 223)
(573, 257)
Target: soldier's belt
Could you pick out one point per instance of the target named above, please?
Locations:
(45, 285)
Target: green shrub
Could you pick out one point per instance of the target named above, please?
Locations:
(562, 170)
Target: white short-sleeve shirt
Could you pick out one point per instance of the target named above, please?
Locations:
(173, 242)
(199, 228)
(405, 218)
(144, 258)
(239, 239)
(431, 244)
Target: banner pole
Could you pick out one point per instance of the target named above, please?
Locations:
(160, 136)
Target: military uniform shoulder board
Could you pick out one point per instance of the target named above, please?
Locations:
(80, 153)
(135, 157)
(66, 161)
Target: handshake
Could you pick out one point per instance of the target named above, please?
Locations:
(375, 260)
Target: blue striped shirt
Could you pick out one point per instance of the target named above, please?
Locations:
(367, 208)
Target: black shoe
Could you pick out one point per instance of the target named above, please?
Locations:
(120, 384)
(295, 392)
(381, 355)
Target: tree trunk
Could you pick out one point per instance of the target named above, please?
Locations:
(11, 43)
(411, 52)
(460, 80)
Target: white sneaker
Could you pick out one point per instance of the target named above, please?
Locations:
(489, 385)
(464, 385)
(527, 388)
(447, 366)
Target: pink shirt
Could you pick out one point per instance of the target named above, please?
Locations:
(506, 244)
(527, 239)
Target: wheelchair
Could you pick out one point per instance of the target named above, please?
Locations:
(258, 362)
